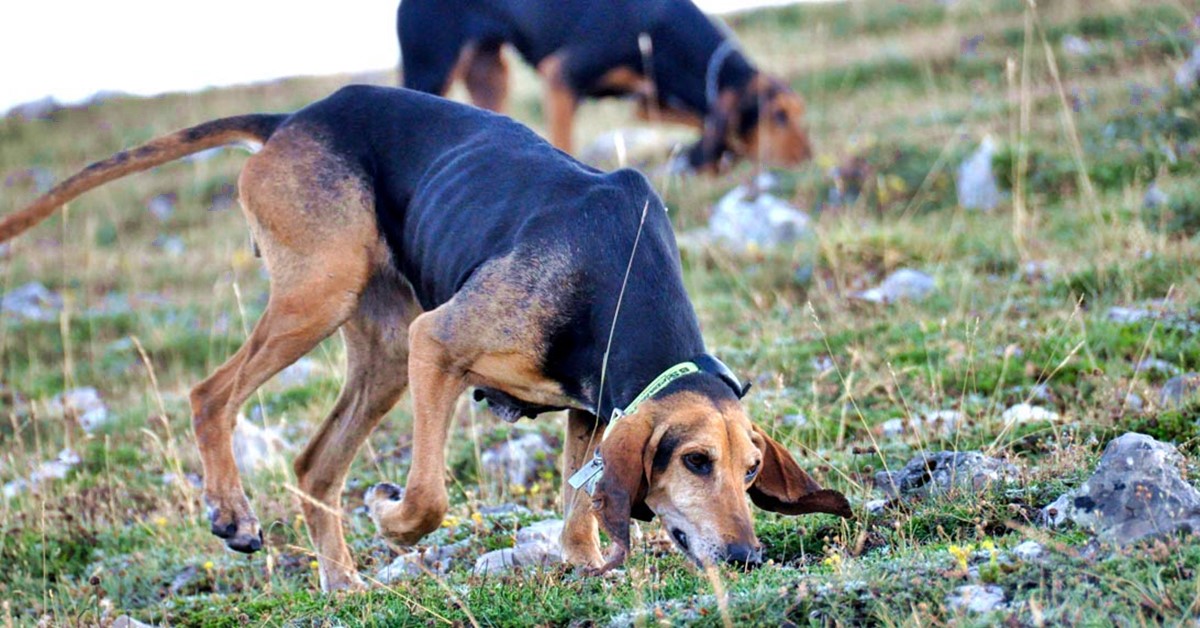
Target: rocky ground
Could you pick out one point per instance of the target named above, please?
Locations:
(976, 313)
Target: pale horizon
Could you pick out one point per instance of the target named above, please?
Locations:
(71, 50)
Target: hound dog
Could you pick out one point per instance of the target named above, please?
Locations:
(454, 248)
(668, 53)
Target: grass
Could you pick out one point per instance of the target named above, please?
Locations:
(906, 90)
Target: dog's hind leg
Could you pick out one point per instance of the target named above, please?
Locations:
(376, 374)
(486, 76)
(403, 517)
(580, 535)
(316, 228)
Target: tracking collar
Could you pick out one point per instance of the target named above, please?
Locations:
(589, 474)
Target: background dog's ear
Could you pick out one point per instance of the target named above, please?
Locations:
(621, 492)
(783, 487)
(714, 142)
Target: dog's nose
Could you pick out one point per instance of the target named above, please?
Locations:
(743, 554)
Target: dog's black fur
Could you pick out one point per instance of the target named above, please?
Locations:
(427, 160)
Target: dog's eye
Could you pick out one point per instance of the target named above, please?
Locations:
(780, 116)
(752, 472)
(698, 463)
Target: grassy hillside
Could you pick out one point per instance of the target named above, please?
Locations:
(898, 93)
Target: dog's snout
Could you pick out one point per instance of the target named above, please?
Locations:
(743, 554)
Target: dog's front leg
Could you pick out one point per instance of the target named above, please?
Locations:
(403, 517)
(580, 535)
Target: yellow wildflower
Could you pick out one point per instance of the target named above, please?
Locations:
(477, 518)
(161, 522)
(208, 566)
(314, 565)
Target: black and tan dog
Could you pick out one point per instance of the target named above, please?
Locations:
(454, 248)
(692, 72)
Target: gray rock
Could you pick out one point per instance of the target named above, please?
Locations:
(903, 284)
(1134, 403)
(928, 424)
(1136, 492)
(125, 621)
(529, 555)
(975, 183)
(186, 581)
(977, 598)
(636, 147)
(517, 461)
(1029, 551)
(749, 217)
(503, 510)
(1156, 365)
(1188, 75)
(1179, 390)
(32, 302)
(1157, 312)
(932, 473)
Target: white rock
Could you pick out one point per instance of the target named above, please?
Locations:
(903, 284)
(892, 428)
(1029, 551)
(529, 555)
(747, 219)
(547, 531)
(637, 147)
(84, 404)
(32, 302)
(977, 598)
(436, 559)
(257, 447)
(975, 182)
(14, 487)
(1025, 413)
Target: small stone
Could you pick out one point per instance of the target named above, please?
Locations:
(503, 510)
(84, 405)
(1029, 551)
(186, 581)
(942, 471)
(903, 284)
(634, 147)
(1076, 46)
(57, 468)
(436, 559)
(892, 428)
(162, 206)
(1136, 492)
(517, 461)
(975, 183)
(1188, 75)
(977, 598)
(1134, 403)
(1025, 413)
(876, 506)
(125, 621)
(32, 302)
(1179, 390)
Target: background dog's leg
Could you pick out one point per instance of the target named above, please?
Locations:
(376, 374)
(486, 77)
(580, 535)
(405, 517)
(560, 102)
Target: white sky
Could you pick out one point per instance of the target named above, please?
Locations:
(71, 49)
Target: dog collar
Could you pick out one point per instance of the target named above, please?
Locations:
(589, 474)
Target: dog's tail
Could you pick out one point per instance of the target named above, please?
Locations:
(255, 128)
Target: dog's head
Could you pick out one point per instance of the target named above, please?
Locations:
(691, 456)
(762, 121)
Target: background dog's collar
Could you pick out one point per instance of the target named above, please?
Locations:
(589, 474)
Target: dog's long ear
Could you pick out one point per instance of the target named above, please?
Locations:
(714, 141)
(621, 492)
(783, 487)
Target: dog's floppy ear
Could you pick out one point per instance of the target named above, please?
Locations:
(714, 142)
(783, 487)
(621, 491)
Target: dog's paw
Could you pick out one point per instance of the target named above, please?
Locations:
(238, 527)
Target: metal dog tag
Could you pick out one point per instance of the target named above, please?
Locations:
(588, 475)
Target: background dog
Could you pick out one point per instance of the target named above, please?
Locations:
(667, 53)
